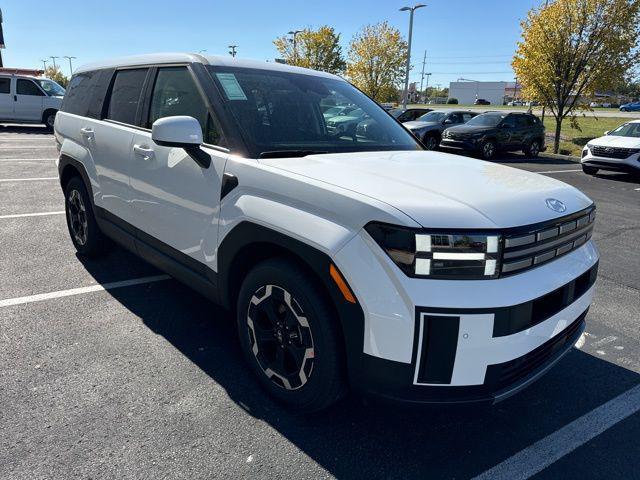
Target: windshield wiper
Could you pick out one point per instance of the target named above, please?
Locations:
(289, 153)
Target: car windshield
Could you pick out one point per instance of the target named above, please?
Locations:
(396, 112)
(51, 88)
(487, 120)
(432, 117)
(627, 130)
(281, 114)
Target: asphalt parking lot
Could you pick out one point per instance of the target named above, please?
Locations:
(111, 370)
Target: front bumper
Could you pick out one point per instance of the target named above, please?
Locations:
(630, 164)
(443, 341)
(468, 145)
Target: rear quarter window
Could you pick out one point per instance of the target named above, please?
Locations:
(79, 93)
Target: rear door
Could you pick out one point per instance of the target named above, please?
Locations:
(6, 99)
(507, 135)
(111, 140)
(29, 100)
(174, 200)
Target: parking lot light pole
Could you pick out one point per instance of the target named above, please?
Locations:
(232, 50)
(54, 62)
(44, 64)
(70, 65)
(405, 94)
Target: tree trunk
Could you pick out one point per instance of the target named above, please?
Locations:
(556, 141)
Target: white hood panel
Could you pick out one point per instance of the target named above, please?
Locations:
(440, 190)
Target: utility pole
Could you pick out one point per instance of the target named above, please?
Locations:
(44, 64)
(70, 65)
(295, 49)
(232, 50)
(411, 10)
(54, 62)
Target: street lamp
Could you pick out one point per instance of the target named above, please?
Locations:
(406, 76)
(295, 50)
(70, 65)
(54, 62)
(232, 50)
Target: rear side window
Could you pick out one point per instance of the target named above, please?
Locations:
(175, 93)
(5, 85)
(125, 95)
(27, 87)
(79, 93)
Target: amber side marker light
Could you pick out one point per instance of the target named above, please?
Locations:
(342, 285)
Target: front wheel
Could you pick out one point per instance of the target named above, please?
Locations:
(533, 149)
(289, 336)
(488, 150)
(430, 142)
(589, 170)
(49, 119)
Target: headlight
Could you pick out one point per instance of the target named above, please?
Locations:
(439, 254)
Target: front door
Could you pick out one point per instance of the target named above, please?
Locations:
(174, 200)
(6, 99)
(28, 101)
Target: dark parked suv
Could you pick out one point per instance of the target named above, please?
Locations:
(491, 132)
(429, 127)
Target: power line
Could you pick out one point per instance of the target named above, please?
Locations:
(510, 55)
(472, 73)
(468, 63)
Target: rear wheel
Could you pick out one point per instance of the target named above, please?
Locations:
(83, 229)
(488, 149)
(49, 118)
(289, 337)
(589, 170)
(430, 142)
(533, 149)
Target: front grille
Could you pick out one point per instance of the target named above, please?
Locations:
(613, 152)
(507, 373)
(456, 136)
(532, 246)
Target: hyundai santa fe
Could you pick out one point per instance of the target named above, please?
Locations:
(351, 259)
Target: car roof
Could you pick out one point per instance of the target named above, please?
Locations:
(217, 60)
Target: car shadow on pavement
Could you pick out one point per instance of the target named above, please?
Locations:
(369, 439)
(23, 129)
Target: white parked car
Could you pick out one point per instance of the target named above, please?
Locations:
(618, 150)
(349, 259)
(26, 99)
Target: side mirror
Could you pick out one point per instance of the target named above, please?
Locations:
(607, 132)
(447, 121)
(181, 132)
(504, 126)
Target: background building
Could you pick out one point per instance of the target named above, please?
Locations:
(467, 91)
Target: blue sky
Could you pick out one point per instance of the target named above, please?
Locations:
(464, 38)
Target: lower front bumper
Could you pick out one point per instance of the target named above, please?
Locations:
(395, 380)
(466, 145)
(629, 165)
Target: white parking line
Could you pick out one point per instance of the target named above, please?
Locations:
(78, 291)
(558, 171)
(28, 159)
(40, 214)
(41, 137)
(540, 455)
(27, 179)
(39, 147)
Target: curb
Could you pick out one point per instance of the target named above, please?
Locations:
(557, 156)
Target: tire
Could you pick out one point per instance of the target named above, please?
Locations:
(293, 347)
(533, 149)
(83, 229)
(488, 149)
(430, 142)
(624, 110)
(589, 170)
(48, 119)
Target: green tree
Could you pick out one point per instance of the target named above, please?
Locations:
(55, 74)
(571, 48)
(317, 49)
(376, 60)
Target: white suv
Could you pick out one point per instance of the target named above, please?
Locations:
(26, 99)
(618, 150)
(350, 259)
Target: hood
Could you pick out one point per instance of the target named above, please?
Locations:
(470, 129)
(440, 190)
(416, 125)
(616, 141)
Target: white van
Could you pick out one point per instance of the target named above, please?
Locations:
(27, 99)
(352, 259)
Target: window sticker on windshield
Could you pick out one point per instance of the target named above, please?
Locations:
(232, 88)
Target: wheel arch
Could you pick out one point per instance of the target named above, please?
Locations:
(249, 243)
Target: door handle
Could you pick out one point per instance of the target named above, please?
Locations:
(144, 151)
(86, 132)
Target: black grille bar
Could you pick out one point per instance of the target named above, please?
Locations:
(540, 244)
